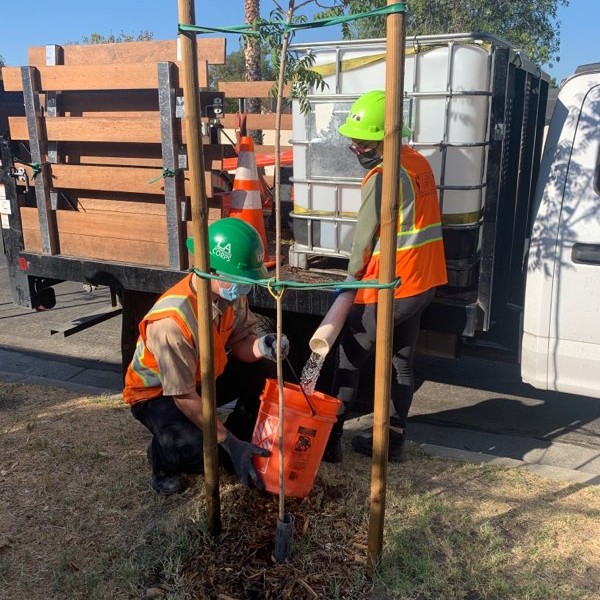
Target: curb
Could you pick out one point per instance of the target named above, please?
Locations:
(561, 450)
(549, 471)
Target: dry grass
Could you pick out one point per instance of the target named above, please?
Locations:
(78, 520)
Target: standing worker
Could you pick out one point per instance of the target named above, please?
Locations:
(162, 383)
(420, 264)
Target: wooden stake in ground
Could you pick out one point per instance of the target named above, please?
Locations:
(199, 206)
(394, 86)
(284, 531)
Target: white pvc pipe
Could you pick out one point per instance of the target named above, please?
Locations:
(331, 325)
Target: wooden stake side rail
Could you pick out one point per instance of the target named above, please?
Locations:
(104, 117)
(209, 49)
(249, 89)
(98, 77)
(126, 180)
(113, 236)
(121, 154)
(135, 129)
(102, 126)
(258, 121)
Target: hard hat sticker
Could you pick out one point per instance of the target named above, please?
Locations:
(223, 252)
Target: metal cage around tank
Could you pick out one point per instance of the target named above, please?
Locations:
(475, 106)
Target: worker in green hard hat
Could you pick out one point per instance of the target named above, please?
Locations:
(162, 383)
(420, 265)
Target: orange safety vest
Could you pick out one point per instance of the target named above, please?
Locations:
(142, 381)
(420, 261)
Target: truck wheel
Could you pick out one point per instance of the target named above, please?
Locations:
(265, 325)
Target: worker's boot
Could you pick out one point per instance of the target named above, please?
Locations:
(333, 451)
(363, 443)
(163, 483)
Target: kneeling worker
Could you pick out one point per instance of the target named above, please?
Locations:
(162, 384)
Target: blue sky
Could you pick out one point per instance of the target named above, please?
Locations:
(60, 21)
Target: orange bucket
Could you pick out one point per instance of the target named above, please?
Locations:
(305, 436)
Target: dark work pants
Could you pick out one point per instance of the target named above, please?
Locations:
(357, 344)
(176, 445)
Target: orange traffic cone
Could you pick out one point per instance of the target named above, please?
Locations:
(246, 202)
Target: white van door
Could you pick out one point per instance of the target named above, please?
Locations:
(565, 291)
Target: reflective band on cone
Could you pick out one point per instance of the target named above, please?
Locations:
(246, 202)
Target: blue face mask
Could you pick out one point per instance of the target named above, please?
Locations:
(235, 291)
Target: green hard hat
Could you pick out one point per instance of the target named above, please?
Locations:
(235, 248)
(366, 119)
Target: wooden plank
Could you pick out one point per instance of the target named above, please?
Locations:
(138, 226)
(126, 180)
(18, 128)
(121, 180)
(32, 238)
(118, 205)
(11, 78)
(107, 179)
(249, 89)
(114, 248)
(211, 50)
(142, 130)
(121, 226)
(100, 77)
(262, 121)
(137, 130)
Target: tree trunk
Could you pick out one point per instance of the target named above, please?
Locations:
(252, 71)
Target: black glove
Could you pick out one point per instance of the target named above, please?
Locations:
(241, 456)
(267, 346)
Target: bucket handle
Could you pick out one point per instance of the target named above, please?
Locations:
(312, 408)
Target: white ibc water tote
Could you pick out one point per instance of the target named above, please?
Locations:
(447, 95)
(451, 112)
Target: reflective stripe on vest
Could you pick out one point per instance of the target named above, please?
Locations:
(408, 235)
(142, 380)
(148, 376)
(167, 305)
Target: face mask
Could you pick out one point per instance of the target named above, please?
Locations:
(369, 159)
(235, 291)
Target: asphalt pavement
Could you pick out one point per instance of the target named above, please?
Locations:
(466, 409)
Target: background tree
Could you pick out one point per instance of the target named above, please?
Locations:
(234, 69)
(111, 38)
(530, 26)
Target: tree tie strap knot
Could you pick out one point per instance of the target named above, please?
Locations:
(277, 287)
(36, 167)
(165, 173)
